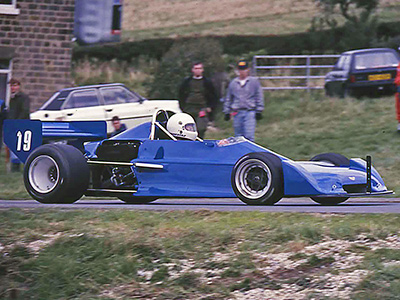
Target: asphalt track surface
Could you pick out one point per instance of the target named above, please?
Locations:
(304, 205)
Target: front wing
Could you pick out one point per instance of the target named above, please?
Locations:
(310, 178)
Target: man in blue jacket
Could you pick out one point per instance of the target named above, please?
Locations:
(244, 101)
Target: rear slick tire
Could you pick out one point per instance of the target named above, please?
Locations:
(257, 179)
(56, 173)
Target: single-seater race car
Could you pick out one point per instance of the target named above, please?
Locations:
(66, 160)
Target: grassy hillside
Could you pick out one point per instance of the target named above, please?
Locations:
(300, 125)
(164, 18)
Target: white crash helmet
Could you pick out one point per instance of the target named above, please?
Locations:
(182, 125)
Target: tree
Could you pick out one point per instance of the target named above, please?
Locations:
(354, 11)
(358, 19)
(177, 63)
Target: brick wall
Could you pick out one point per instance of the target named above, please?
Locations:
(41, 36)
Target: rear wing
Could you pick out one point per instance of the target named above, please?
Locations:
(24, 136)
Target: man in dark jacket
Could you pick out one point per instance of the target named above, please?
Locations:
(197, 97)
(19, 102)
(19, 108)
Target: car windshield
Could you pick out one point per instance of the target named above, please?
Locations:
(343, 62)
(50, 102)
(375, 60)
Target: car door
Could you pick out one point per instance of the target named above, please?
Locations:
(83, 105)
(339, 74)
(129, 107)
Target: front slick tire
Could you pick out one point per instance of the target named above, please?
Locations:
(136, 200)
(56, 173)
(337, 160)
(326, 201)
(257, 179)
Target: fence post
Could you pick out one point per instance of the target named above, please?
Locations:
(308, 73)
(254, 66)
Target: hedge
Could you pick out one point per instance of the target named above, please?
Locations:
(297, 43)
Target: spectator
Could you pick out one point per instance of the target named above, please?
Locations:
(19, 109)
(397, 96)
(2, 118)
(118, 126)
(244, 101)
(197, 97)
(19, 102)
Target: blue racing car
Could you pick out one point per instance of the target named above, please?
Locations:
(165, 158)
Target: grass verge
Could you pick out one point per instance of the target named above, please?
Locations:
(48, 254)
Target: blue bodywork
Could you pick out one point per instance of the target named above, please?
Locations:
(168, 168)
(204, 169)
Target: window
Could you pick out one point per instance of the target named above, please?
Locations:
(343, 63)
(116, 18)
(80, 99)
(118, 95)
(375, 60)
(5, 75)
(56, 101)
(9, 7)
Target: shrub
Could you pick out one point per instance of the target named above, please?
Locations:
(177, 62)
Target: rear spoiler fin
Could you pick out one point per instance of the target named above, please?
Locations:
(23, 136)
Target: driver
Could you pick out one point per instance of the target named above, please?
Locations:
(182, 126)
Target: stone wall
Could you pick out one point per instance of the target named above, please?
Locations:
(40, 36)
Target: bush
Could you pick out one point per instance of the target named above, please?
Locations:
(359, 35)
(177, 62)
(393, 42)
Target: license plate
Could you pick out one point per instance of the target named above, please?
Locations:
(379, 77)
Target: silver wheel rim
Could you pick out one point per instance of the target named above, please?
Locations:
(253, 178)
(43, 174)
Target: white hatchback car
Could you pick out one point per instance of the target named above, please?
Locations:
(101, 103)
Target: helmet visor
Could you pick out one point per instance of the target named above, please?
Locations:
(191, 127)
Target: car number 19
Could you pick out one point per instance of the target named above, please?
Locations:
(24, 141)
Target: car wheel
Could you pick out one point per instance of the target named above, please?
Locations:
(257, 179)
(327, 201)
(56, 173)
(344, 92)
(349, 92)
(328, 91)
(136, 200)
(334, 158)
(337, 160)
